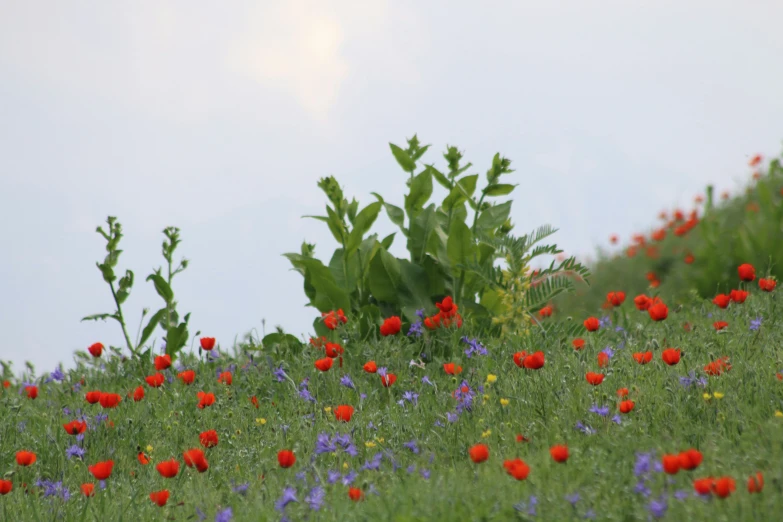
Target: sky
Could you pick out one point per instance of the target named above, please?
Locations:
(221, 121)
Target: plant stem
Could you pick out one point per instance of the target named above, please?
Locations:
(121, 319)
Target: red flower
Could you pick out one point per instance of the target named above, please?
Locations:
(370, 367)
(545, 311)
(671, 356)
(31, 391)
(160, 497)
(738, 296)
(343, 413)
(155, 381)
(720, 325)
(704, 486)
(746, 272)
(205, 399)
(756, 483)
(207, 343)
(208, 438)
(332, 318)
(333, 350)
(642, 302)
(534, 361)
(717, 366)
(767, 285)
(168, 468)
(254, 400)
(226, 378)
(142, 458)
(195, 457)
(109, 400)
(603, 360)
(162, 362)
(578, 343)
(689, 259)
(388, 380)
(432, 322)
(138, 394)
(721, 300)
(101, 470)
(95, 349)
(755, 160)
(592, 324)
(522, 438)
(594, 378)
(626, 406)
(286, 458)
(88, 489)
(75, 427)
(559, 453)
(479, 453)
(658, 235)
(519, 357)
(616, 298)
(724, 486)
(6, 486)
(187, 377)
(517, 468)
(671, 464)
(447, 307)
(355, 494)
(658, 312)
(613, 239)
(690, 459)
(622, 392)
(643, 357)
(25, 458)
(93, 396)
(451, 369)
(323, 364)
(391, 326)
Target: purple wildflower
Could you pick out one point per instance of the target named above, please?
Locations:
(608, 351)
(411, 445)
(416, 329)
(587, 430)
(289, 495)
(349, 478)
(452, 417)
(426, 380)
(316, 498)
(411, 396)
(617, 420)
(474, 348)
(332, 476)
(755, 324)
(347, 382)
(425, 474)
(603, 411)
(681, 494)
(573, 498)
(241, 488)
(280, 374)
(420, 313)
(224, 516)
(75, 451)
(382, 371)
(658, 507)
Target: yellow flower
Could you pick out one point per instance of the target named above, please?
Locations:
(779, 413)
(707, 396)
(718, 395)
(345, 465)
(369, 444)
(491, 378)
(486, 434)
(260, 421)
(504, 402)
(148, 448)
(486, 397)
(328, 409)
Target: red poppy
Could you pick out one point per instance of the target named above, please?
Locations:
(391, 326)
(155, 381)
(519, 357)
(578, 343)
(720, 325)
(254, 401)
(162, 362)
(6, 384)
(101, 470)
(138, 394)
(592, 324)
(447, 307)
(208, 438)
(545, 311)
(534, 361)
(616, 298)
(630, 251)
(286, 458)
(704, 486)
(318, 343)
(738, 296)
(195, 458)
(643, 357)
(370, 367)
(451, 369)
(559, 453)
(767, 285)
(721, 300)
(75, 427)
(642, 302)
(31, 391)
(160, 497)
(225, 378)
(658, 312)
(671, 464)
(724, 486)
(388, 380)
(432, 322)
(187, 377)
(622, 392)
(168, 468)
(142, 458)
(207, 343)
(690, 459)
(594, 378)
(517, 468)
(355, 494)
(613, 239)
(95, 349)
(603, 360)
(6, 486)
(756, 483)
(687, 327)
(755, 160)
(689, 259)
(746, 272)
(323, 364)
(25, 458)
(479, 453)
(717, 366)
(93, 396)
(658, 235)
(109, 400)
(205, 399)
(332, 318)
(522, 438)
(88, 489)
(343, 413)
(333, 350)
(626, 406)
(671, 356)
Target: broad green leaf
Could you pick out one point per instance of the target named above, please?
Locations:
(336, 225)
(421, 190)
(439, 177)
(107, 271)
(326, 295)
(462, 191)
(151, 325)
(362, 224)
(460, 244)
(493, 217)
(414, 288)
(369, 319)
(277, 338)
(162, 287)
(435, 277)
(402, 157)
(346, 273)
(388, 240)
(492, 302)
(419, 153)
(421, 228)
(384, 276)
(499, 190)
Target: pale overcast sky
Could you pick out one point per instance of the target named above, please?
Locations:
(220, 120)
